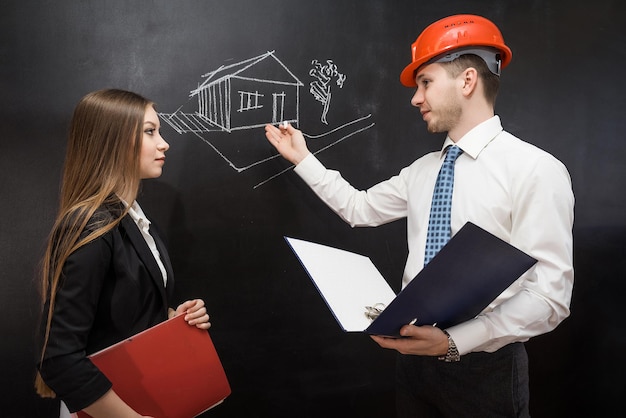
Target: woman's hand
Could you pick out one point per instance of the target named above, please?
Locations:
(111, 405)
(195, 313)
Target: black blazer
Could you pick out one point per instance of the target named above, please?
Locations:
(111, 289)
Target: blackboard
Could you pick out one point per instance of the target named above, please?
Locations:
(225, 201)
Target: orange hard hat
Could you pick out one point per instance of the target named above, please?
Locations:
(452, 36)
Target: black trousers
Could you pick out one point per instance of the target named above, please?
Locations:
(481, 385)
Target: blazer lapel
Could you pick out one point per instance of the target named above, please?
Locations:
(145, 255)
(165, 259)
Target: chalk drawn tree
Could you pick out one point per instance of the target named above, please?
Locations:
(321, 88)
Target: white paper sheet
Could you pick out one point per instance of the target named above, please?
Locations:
(348, 282)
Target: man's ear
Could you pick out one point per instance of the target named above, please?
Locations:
(469, 80)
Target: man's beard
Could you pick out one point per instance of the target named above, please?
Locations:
(449, 115)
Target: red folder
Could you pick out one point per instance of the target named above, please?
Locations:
(168, 371)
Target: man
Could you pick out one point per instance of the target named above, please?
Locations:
(512, 189)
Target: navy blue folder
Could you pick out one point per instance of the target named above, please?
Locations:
(469, 272)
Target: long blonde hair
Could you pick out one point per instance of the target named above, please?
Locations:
(101, 165)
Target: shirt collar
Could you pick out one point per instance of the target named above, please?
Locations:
(473, 142)
(137, 215)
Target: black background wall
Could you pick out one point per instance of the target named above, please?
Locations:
(281, 348)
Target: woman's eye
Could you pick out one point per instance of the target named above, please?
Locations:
(149, 131)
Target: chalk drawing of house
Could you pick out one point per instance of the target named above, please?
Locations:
(247, 94)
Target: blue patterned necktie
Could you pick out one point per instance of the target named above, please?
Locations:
(439, 221)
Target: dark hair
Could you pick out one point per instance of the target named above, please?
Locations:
(491, 82)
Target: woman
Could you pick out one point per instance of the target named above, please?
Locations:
(106, 274)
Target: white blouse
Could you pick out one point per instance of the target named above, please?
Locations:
(143, 223)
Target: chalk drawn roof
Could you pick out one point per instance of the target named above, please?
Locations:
(244, 70)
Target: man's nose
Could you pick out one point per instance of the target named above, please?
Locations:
(417, 99)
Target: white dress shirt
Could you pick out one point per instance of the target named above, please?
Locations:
(508, 187)
(143, 223)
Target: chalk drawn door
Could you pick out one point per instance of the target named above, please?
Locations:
(278, 107)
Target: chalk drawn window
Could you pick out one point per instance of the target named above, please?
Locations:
(249, 100)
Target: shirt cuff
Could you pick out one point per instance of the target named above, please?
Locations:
(469, 335)
(310, 169)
